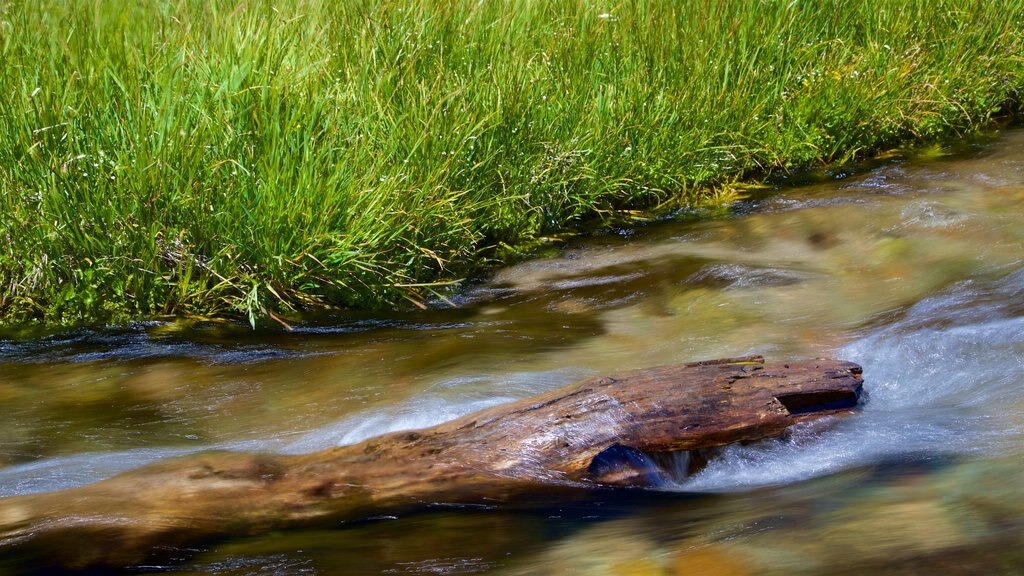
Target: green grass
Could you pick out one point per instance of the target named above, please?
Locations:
(195, 157)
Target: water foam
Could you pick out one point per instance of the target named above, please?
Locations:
(943, 380)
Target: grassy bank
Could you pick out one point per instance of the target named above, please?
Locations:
(192, 157)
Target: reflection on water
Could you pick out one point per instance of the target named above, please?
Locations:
(914, 269)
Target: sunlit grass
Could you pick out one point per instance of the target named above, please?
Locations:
(249, 158)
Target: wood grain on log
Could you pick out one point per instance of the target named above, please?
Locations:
(532, 445)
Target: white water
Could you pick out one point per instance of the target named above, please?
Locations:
(947, 379)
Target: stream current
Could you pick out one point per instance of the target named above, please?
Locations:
(912, 267)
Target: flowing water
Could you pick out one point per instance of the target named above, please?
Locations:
(913, 267)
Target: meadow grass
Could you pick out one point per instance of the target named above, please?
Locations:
(195, 157)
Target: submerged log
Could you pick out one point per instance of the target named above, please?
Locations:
(611, 430)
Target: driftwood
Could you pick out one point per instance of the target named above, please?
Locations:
(611, 430)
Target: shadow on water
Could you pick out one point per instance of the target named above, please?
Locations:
(561, 532)
(433, 538)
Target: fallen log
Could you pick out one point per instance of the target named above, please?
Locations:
(612, 430)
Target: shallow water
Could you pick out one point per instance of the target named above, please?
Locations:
(912, 267)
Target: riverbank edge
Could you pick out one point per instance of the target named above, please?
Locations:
(208, 233)
(720, 201)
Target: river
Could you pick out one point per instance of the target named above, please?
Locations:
(912, 266)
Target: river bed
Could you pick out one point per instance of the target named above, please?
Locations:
(912, 267)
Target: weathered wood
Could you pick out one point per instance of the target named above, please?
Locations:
(599, 431)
